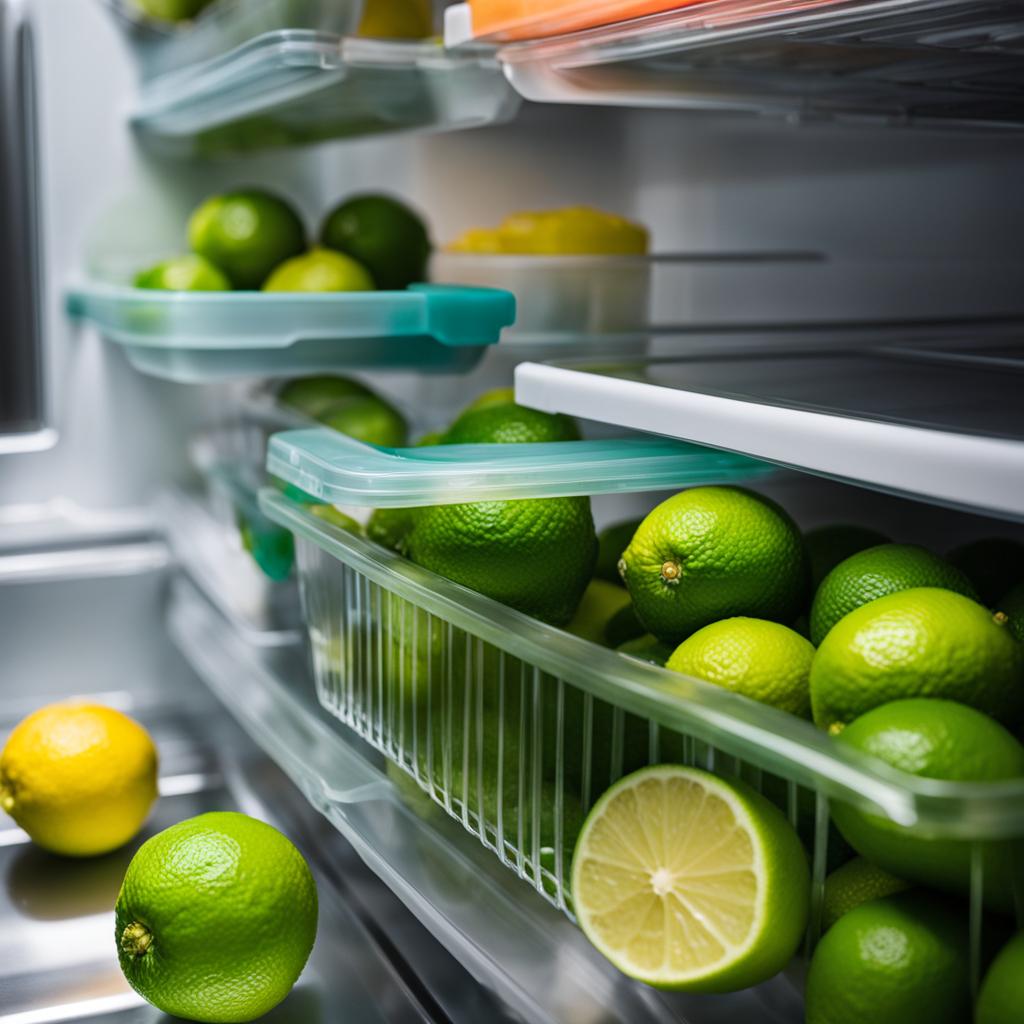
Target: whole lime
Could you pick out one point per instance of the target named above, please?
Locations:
(173, 10)
(827, 546)
(600, 603)
(535, 554)
(875, 572)
(510, 424)
(992, 564)
(246, 234)
(384, 235)
(1001, 999)
(765, 661)
(314, 395)
(1012, 606)
(319, 270)
(857, 881)
(216, 918)
(369, 419)
(189, 273)
(623, 625)
(647, 648)
(390, 527)
(710, 553)
(611, 542)
(496, 396)
(924, 642)
(933, 739)
(899, 960)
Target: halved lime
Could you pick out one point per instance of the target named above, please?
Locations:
(684, 880)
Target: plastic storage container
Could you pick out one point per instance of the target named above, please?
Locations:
(297, 88)
(515, 727)
(193, 337)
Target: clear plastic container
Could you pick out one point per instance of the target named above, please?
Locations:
(194, 337)
(932, 425)
(298, 88)
(942, 62)
(163, 47)
(515, 727)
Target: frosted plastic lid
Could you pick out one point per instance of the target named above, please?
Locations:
(341, 471)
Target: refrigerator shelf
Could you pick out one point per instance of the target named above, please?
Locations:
(515, 727)
(940, 62)
(339, 470)
(192, 337)
(299, 87)
(931, 425)
(162, 47)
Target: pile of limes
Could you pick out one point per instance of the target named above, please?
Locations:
(251, 239)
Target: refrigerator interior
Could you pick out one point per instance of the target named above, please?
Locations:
(775, 233)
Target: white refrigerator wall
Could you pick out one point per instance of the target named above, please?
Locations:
(870, 199)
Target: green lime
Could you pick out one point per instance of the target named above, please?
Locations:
(369, 419)
(173, 10)
(510, 424)
(687, 881)
(933, 739)
(496, 396)
(319, 270)
(611, 542)
(924, 642)
(1012, 606)
(536, 555)
(189, 273)
(1001, 1000)
(857, 881)
(711, 553)
(246, 234)
(762, 660)
(899, 960)
(993, 565)
(384, 235)
(315, 395)
(430, 439)
(647, 648)
(827, 546)
(334, 516)
(875, 572)
(396, 19)
(390, 527)
(216, 918)
(623, 625)
(600, 603)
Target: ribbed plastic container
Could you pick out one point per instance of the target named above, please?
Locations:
(515, 727)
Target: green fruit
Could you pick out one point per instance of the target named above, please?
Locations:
(599, 605)
(647, 648)
(313, 396)
(899, 960)
(189, 273)
(496, 396)
(761, 660)
(611, 542)
(319, 271)
(216, 918)
(924, 642)
(857, 881)
(623, 626)
(711, 553)
(536, 555)
(827, 546)
(246, 234)
(384, 235)
(687, 881)
(390, 527)
(510, 424)
(875, 572)
(430, 439)
(1001, 1000)
(369, 419)
(173, 10)
(1012, 606)
(993, 565)
(334, 516)
(933, 739)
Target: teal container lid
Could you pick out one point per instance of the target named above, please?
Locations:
(338, 470)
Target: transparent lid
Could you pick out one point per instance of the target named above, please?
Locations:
(341, 471)
(935, 425)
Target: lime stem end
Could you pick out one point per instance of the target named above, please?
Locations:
(136, 939)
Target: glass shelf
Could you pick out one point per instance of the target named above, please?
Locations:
(192, 337)
(294, 88)
(939, 426)
(940, 62)
(338, 470)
